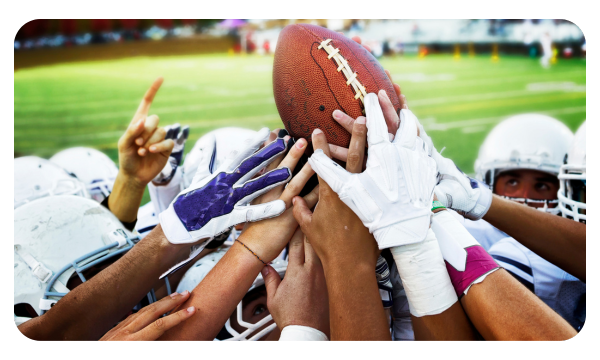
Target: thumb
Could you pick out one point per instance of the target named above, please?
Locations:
(134, 130)
(302, 213)
(272, 281)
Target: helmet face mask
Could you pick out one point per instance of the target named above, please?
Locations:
(572, 176)
(239, 326)
(524, 142)
(60, 242)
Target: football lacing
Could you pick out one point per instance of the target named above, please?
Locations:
(344, 67)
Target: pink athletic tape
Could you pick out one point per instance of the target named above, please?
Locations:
(479, 263)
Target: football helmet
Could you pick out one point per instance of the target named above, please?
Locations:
(36, 178)
(571, 195)
(527, 141)
(228, 139)
(61, 241)
(199, 271)
(97, 171)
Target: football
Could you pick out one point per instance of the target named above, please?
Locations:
(317, 71)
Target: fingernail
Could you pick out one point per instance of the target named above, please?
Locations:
(173, 295)
(293, 201)
(190, 309)
(139, 141)
(361, 120)
(337, 114)
(286, 138)
(300, 144)
(142, 151)
(185, 293)
(152, 148)
(265, 271)
(391, 137)
(384, 94)
(317, 131)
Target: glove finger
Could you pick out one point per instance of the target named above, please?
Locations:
(264, 211)
(333, 174)
(183, 135)
(252, 165)
(407, 133)
(249, 147)
(377, 128)
(261, 185)
(172, 131)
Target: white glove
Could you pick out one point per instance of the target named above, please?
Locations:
(393, 196)
(467, 196)
(214, 202)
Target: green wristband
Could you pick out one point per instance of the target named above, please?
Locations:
(437, 205)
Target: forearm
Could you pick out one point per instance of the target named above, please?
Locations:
(355, 306)
(217, 296)
(559, 240)
(451, 324)
(435, 311)
(503, 309)
(91, 309)
(125, 198)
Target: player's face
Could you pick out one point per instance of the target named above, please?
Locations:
(528, 184)
(254, 309)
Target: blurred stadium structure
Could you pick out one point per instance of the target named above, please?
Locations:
(127, 37)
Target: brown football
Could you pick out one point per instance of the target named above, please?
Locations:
(317, 71)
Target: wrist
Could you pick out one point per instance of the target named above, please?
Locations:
(168, 254)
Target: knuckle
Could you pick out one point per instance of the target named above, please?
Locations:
(159, 324)
(353, 158)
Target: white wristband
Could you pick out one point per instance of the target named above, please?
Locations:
(426, 281)
(301, 333)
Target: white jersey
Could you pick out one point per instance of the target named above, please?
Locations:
(561, 291)
(147, 219)
(484, 232)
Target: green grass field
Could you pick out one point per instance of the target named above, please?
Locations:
(458, 101)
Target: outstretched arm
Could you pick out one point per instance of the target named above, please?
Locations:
(216, 297)
(559, 240)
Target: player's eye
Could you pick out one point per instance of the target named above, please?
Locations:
(512, 182)
(259, 310)
(542, 187)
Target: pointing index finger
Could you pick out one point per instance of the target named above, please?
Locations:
(144, 107)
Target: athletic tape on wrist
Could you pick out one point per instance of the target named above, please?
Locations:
(424, 276)
(301, 333)
(479, 265)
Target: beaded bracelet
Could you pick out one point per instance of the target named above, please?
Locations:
(253, 253)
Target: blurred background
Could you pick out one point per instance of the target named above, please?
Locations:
(78, 82)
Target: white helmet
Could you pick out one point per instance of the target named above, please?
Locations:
(527, 141)
(56, 237)
(571, 195)
(227, 139)
(36, 178)
(97, 171)
(199, 271)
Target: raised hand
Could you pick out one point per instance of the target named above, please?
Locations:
(143, 150)
(393, 196)
(216, 200)
(301, 298)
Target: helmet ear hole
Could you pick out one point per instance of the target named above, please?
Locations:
(25, 310)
